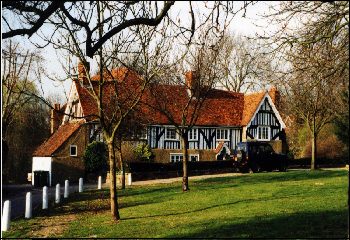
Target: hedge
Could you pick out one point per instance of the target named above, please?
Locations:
(138, 167)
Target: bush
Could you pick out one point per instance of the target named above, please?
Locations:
(95, 157)
(144, 152)
(137, 167)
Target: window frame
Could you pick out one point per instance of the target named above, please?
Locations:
(179, 155)
(144, 134)
(76, 151)
(175, 134)
(220, 130)
(194, 155)
(268, 130)
(193, 130)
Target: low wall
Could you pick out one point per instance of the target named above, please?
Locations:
(119, 178)
(163, 155)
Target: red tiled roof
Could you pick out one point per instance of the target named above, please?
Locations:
(117, 74)
(57, 139)
(251, 103)
(124, 84)
(218, 148)
(220, 108)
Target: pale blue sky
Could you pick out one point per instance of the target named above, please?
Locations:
(238, 24)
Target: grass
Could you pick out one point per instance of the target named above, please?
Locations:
(299, 204)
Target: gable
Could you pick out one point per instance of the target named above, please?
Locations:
(266, 114)
(57, 139)
(251, 103)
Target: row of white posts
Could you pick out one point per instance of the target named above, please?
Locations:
(5, 222)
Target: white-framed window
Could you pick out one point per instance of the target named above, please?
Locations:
(222, 135)
(73, 151)
(194, 157)
(193, 134)
(170, 134)
(176, 157)
(143, 134)
(263, 133)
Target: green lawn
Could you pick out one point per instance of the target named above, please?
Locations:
(300, 204)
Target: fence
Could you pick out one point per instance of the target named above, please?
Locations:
(6, 215)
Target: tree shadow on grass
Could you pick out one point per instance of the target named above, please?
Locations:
(264, 177)
(323, 224)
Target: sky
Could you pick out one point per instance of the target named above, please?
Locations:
(53, 66)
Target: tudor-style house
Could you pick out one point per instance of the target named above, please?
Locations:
(224, 119)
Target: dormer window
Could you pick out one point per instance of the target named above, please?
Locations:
(170, 134)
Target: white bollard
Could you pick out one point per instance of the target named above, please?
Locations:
(45, 198)
(5, 221)
(99, 182)
(28, 213)
(58, 194)
(66, 189)
(80, 185)
(129, 179)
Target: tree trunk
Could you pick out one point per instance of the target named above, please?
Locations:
(184, 143)
(113, 187)
(314, 152)
(122, 169)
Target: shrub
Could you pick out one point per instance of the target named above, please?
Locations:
(95, 157)
(144, 152)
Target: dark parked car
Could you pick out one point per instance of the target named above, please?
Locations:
(258, 156)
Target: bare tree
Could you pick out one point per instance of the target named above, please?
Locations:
(181, 101)
(244, 64)
(312, 88)
(311, 39)
(20, 68)
(106, 31)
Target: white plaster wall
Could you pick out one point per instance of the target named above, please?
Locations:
(42, 163)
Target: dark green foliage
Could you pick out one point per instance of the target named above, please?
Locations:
(341, 124)
(136, 167)
(290, 155)
(144, 152)
(95, 157)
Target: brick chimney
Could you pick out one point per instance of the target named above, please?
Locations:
(192, 83)
(82, 74)
(275, 96)
(55, 118)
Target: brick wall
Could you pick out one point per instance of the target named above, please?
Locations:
(65, 167)
(163, 155)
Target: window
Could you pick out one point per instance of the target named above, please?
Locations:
(269, 150)
(170, 134)
(194, 157)
(73, 150)
(222, 134)
(193, 135)
(263, 133)
(143, 134)
(176, 157)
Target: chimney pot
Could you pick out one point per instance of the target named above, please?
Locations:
(82, 73)
(192, 82)
(55, 118)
